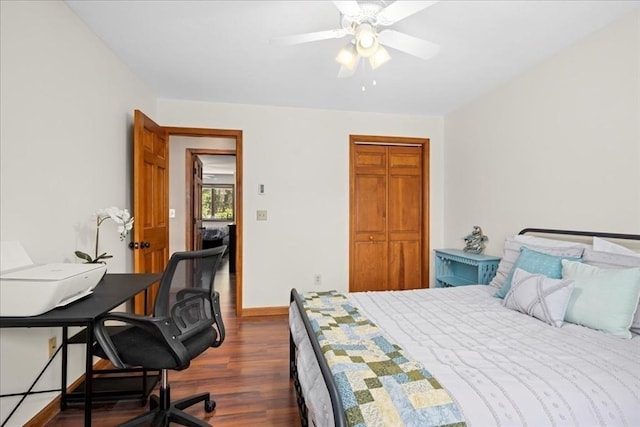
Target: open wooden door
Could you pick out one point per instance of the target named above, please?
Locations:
(197, 203)
(150, 202)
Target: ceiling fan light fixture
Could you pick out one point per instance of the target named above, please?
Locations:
(348, 56)
(361, 21)
(366, 40)
(380, 57)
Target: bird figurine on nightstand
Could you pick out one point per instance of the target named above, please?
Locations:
(474, 242)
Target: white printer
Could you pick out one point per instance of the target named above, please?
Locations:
(28, 289)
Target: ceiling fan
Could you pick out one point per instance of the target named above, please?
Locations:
(365, 23)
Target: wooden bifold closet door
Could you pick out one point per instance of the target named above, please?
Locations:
(387, 222)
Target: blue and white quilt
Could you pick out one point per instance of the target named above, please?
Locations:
(378, 384)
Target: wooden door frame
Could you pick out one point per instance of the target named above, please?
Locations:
(229, 134)
(390, 141)
(190, 199)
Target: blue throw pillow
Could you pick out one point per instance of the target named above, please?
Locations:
(536, 263)
(604, 299)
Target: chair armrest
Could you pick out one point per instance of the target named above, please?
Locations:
(217, 316)
(155, 325)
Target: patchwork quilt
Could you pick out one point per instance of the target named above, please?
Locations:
(378, 384)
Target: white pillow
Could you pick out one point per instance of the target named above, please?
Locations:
(609, 260)
(539, 296)
(550, 243)
(607, 246)
(511, 253)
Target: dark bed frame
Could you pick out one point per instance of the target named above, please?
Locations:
(336, 401)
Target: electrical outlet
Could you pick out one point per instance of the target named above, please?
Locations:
(317, 279)
(53, 344)
(261, 215)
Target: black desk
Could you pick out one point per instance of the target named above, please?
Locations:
(113, 290)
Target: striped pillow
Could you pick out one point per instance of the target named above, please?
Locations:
(512, 252)
(539, 296)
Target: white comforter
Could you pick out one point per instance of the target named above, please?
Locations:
(502, 367)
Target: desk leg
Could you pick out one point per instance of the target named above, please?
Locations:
(65, 355)
(88, 377)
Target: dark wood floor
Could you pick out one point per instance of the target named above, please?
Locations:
(247, 375)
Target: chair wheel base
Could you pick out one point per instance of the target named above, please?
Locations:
(163, 413)
(153, 402)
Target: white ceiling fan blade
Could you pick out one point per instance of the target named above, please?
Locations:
(401, 9)
(310, 37)
(346, 72)
(348, 8)
(408, 44)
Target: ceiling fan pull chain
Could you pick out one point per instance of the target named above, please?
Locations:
(364, 78)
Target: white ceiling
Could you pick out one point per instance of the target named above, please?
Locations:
(218, 164)
(219, 51)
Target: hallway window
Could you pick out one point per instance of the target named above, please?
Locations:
(218, 202)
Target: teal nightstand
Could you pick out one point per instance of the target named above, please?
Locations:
(455, 267)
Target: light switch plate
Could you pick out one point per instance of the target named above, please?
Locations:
(261, 215)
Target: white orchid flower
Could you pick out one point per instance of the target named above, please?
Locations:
(114, 213)
(125, 223)
(123, 219)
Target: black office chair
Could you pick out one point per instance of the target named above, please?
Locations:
(186, 321)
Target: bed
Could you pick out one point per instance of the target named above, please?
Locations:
(215, 236)
(462, 356)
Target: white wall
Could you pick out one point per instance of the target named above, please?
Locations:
(66, 105)
(557, 147)
(302, 158)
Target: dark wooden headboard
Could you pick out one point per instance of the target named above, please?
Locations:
(581, 233)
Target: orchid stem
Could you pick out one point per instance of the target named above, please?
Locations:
(97, 236)
(98, 222)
